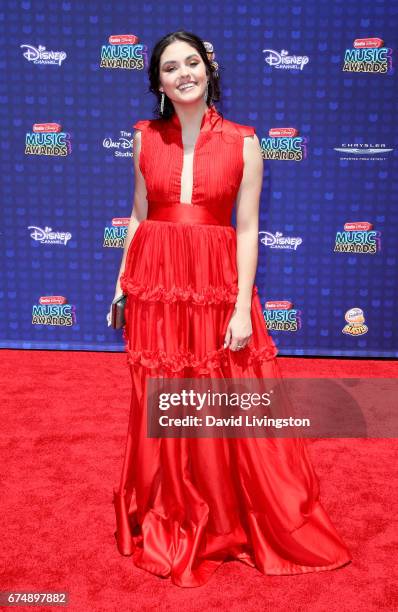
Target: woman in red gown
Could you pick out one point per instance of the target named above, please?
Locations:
(185, 505)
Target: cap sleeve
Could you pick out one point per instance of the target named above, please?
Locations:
(247, 130)
(142, 124)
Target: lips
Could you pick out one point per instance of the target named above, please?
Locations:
(186, 85)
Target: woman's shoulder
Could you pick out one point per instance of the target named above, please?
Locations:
(229, 126)
(238, 128)
(144, 124)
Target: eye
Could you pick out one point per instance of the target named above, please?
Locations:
(191, 64)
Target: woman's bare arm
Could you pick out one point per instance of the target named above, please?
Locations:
(140, 206)
(247, 213)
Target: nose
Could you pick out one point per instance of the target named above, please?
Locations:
(184, 72)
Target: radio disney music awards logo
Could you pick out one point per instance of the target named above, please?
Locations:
(48, 139)
(48, 236)
(368, 55)
(114, 235)
(284, 144)
(363, 151)
(355, 322)
(53, 310)
(279, 241)
(39, 55)
(358, 237)
(125, 52)
(280, 315)
(284, 61)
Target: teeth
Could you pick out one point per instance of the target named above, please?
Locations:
(186, 86)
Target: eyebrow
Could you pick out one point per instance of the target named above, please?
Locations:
(174, 61)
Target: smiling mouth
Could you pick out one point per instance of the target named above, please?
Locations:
(186, 87)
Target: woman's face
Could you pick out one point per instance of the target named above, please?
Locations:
(179, 64)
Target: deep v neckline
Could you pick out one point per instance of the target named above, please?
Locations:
(191, 170)
(204, 126)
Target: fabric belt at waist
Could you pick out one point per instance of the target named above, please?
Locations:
(183, 213)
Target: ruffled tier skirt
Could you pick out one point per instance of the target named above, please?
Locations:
(186, 505)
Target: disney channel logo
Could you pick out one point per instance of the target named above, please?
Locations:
(39, 55)
(279, 241)
(47, 236)
(284, 61)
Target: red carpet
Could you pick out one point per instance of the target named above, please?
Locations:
(63, 433)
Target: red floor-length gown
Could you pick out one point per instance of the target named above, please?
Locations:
(185, 505)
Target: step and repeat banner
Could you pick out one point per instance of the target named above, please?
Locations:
(317, 80)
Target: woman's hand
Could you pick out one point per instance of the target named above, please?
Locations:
(239, 330)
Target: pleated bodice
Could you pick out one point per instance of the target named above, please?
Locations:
(217, 166)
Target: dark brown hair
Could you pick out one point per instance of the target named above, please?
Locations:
(154, 71)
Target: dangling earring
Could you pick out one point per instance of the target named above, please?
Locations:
(162, 104)
(206, 91)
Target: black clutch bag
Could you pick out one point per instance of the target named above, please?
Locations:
(118, 319)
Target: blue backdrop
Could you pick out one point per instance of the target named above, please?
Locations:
(318, 82)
